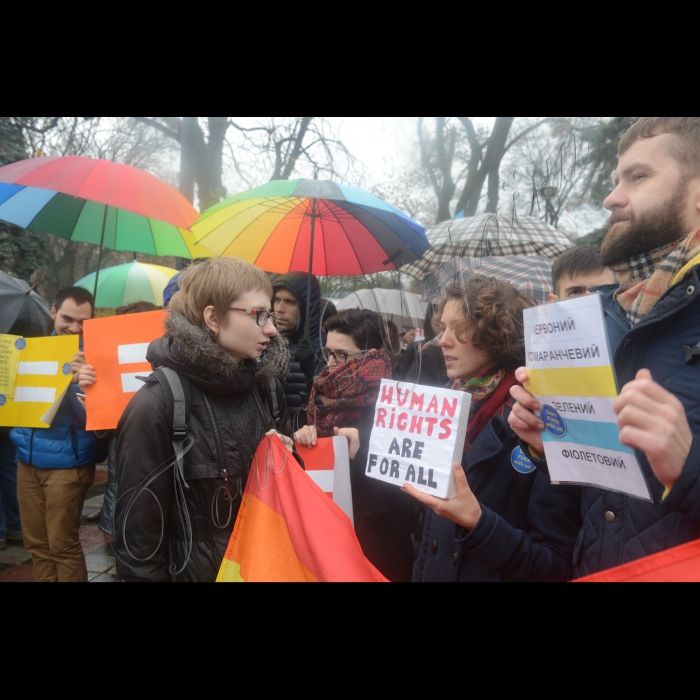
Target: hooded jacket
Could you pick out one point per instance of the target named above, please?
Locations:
(298, 386)
(230, 413)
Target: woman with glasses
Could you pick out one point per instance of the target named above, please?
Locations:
(343, 402)
(175, 524)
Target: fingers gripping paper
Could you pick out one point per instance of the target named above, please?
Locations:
(43, 376)
(572, 377)
(116, 347)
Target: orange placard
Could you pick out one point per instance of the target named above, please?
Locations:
(116, 347)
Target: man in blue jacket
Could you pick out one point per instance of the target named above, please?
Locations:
(57, 466)
(653, 320)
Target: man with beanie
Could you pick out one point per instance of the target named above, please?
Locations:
(291, 292)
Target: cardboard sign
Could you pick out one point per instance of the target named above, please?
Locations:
(10, 348)
(116, 347)
(572, 376)
(43, 377)
(418, 434)
(328, 466)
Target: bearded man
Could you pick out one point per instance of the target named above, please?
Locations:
(653, 320)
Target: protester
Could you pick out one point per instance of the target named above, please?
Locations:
(344, 397)
(57, 465)
(407, 338)
(87, 377)
(578, 271)
(424, 363)
(175, 523)
(393, 347)
(291, 292)
(502, 525)
(653, 322)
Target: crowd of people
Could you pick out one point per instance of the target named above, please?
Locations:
(243, 361)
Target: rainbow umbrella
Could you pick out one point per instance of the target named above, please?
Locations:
(129, 284)
(100, 202)
(315, 225)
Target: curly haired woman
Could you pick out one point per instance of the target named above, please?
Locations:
(507, 522)
(343, 402)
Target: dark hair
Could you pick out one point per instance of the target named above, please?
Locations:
(430, 334)
(329, 309)
(687, 148)
(581, 260)
(493, 318)
(140, 307)
(79, 295)
(393, 338)
(366, 328)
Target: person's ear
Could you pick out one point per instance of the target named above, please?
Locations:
(211, 319)
(553, 298)
(54, 313)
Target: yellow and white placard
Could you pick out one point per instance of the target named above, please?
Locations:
(43, 377)
(10, 348)
(572, 377)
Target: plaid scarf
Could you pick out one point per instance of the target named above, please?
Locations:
(646, 278)
(481, 387)
(343, 395)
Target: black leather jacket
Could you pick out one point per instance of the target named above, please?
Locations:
(231, 410)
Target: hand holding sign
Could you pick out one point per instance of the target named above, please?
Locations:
(654, 421)
(524, 419)
(463, 509)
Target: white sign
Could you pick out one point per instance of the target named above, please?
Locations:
(572, 377)
(418, 434)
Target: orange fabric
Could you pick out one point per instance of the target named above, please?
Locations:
(289, 530)
(680, 565)
(106, 399)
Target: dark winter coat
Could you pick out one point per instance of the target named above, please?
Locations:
(229, 417)
(617, 529)
(298, 386)
(508, 543)
(384, 515)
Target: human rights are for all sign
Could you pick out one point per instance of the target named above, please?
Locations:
(572, 377)
(418, 434)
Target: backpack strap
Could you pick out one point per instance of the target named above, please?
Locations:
(274, 403)
(177, 413)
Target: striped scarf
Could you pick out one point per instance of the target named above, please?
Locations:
(481, 387)
(646, 278)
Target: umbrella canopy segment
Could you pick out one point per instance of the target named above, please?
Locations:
(129, 284)
(272, 226)
(404, 309)
(21, 309)
(96, 201)
(530, 275)
(488, 236)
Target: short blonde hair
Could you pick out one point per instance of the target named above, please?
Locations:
(218, 283)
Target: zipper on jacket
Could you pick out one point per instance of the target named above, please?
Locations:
(220, 449)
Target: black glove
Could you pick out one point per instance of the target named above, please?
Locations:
(306, 357)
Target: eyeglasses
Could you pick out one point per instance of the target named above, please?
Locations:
(262, 316)
(341, 358)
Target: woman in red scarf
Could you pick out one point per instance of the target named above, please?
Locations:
(343, 402)
(507, 522)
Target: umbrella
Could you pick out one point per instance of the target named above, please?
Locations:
(23, 308)
(488, 236)
(97, 201)
(129, 284)
(329, 229)
(405, 310)
(531, 276)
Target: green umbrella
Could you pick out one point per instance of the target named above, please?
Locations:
(129, 284)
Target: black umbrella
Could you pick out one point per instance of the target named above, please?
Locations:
(22, 310)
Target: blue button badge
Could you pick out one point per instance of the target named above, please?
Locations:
(553, 422)
(3, 400)
(21, 344)
(521, 462)
(66, 369)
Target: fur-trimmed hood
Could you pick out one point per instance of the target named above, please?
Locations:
(192, 352)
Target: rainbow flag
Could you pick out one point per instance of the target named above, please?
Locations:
(290, 531)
